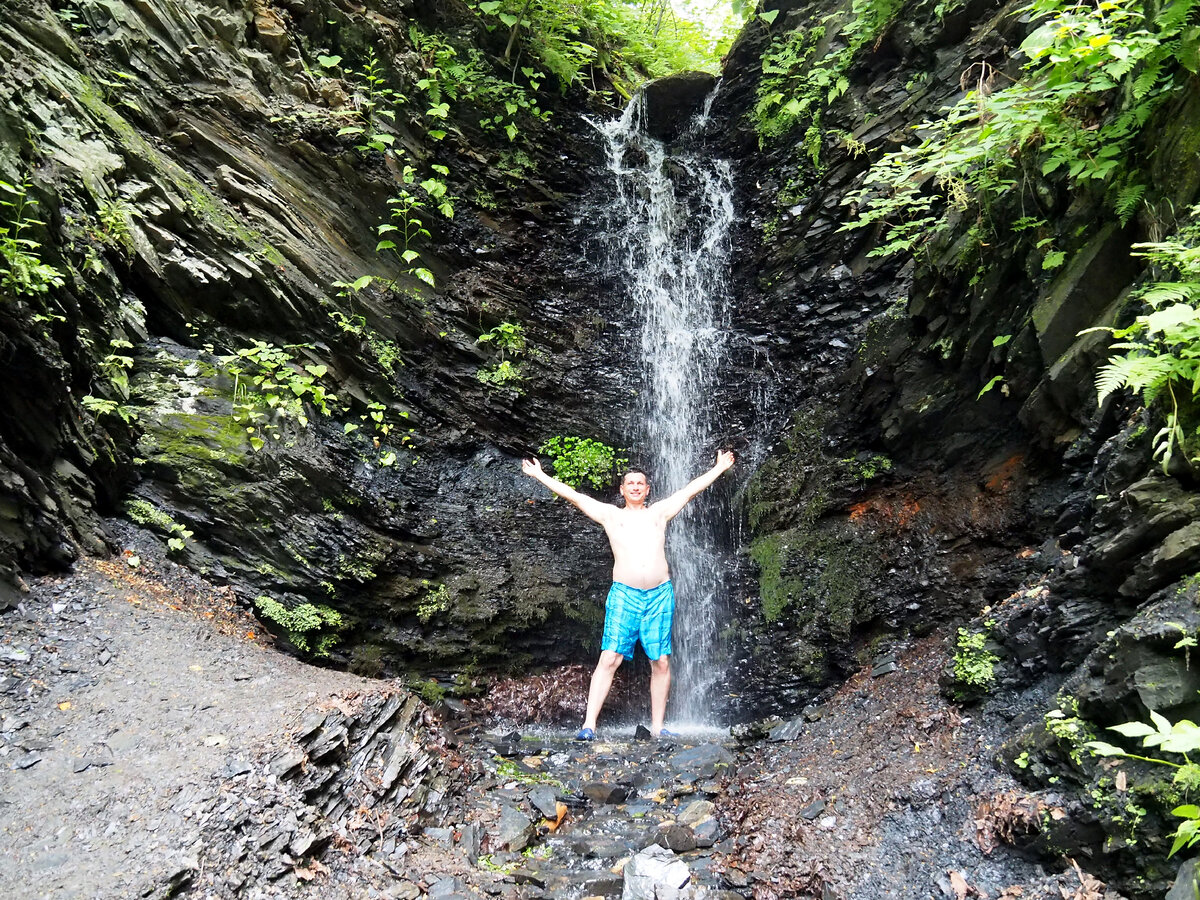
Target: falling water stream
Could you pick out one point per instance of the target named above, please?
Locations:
(668, 244)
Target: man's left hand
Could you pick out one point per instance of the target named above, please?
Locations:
(724, 459)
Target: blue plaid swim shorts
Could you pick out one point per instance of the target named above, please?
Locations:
(632, 613)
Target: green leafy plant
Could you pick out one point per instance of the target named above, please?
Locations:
(1161, 358)
(1095, 75)
(806, 69)
(312, 628)
(974, 665)
(147, 514)
(272, 387)
(578, 459)
(436, 601)
(509, 339)
(22, 272)
(1181, 738)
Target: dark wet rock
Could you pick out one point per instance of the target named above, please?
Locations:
(513, 830)
(1187, 883)
(672, 102)
(704, 760)
(642, 733)
(544, 800)
(600, 846)
(708, 833)
(678, 838)
(787, 731)
(600, 792)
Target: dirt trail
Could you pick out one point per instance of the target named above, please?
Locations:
(122, 704)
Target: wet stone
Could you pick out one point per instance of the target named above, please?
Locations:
(813, 810)
(544, 800)
(696, 812)
(599, 792)
(678, 838)
(707, 833)
(702, 760)
(513, 831)
(600, 846)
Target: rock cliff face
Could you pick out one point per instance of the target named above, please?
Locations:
(196, 170)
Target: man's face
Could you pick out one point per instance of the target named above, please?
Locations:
(634, 487)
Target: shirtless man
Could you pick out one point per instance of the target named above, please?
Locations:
(641, 602)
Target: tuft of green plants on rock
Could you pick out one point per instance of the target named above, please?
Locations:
(271, 386)
(144, 513)
(509, 339)
(1095, 75)
(1161, 349)
(312, 628)
(579, 459)
(435, 601)
(806, 69)
(22, 271)
(974, 665)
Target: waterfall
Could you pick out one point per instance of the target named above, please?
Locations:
(668, 244)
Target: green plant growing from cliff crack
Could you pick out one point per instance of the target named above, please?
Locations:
(144, 513)
(579, 459)
(1182, 738)
(805, 70)
(435, 602)
(509, 339)
(1094, 77)
(312, 628)
(1161, 358)
(268, 376)
(23, 272)
(974, 665)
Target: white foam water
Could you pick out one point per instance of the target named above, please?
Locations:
(668, 241)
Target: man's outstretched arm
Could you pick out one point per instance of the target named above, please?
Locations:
(589, 506)
(672, 506)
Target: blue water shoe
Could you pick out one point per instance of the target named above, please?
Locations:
(585, 734)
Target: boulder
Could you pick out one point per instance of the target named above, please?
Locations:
(672, 102)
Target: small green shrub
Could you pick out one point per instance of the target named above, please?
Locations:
(578, 459)
(148, 515)
(437, 600)
(22, 272)
(312, 628)
(974, 665)
(509, 339)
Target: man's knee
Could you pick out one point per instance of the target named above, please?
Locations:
(661, 666)
(610, 660)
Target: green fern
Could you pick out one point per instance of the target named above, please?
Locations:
(1160, 356)
(1127, 201)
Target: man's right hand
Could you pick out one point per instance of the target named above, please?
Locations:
(531, 467)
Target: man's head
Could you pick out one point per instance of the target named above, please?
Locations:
(635, 487)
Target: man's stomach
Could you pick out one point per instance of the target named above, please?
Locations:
(642, 576)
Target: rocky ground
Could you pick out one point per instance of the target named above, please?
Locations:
(155, 745)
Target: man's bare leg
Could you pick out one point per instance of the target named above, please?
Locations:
(660, 686)
(602, 679)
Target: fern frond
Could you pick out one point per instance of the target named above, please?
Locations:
(1127, 201)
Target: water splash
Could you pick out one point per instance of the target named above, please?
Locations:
(669, 246)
